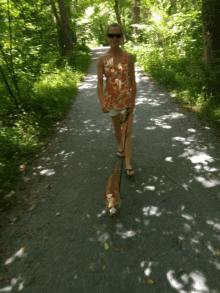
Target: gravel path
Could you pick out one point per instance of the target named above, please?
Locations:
(169, 227)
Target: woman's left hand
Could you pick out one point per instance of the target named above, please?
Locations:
(131, 108)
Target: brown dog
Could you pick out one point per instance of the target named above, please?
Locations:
(112, 197)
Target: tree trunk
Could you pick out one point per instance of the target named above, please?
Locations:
(136, 19)
(119, 18)
(14, 101)
(211, 44)
(102, 33)
(68, 43)
(172, 8)
(58, 26)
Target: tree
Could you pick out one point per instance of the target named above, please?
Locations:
(136, 19)
(58, 26)
(211, 44)
(68, 43)
(118, 17)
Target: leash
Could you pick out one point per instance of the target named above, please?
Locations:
(126, 118)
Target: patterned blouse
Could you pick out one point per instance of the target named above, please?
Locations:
(117, 94)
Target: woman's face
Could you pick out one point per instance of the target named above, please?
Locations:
(114, 42)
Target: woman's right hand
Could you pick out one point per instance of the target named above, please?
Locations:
(104, 108)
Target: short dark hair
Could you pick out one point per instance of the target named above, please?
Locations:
(115, 24)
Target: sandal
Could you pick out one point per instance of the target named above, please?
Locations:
(120, 156)
(129, 169)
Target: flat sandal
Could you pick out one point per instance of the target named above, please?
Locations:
(120, 153)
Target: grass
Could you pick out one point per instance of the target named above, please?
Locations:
(184, 77)
(23, 134)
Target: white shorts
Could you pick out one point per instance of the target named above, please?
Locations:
(116, 112)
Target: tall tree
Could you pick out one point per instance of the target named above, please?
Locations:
(117, 12)
(136, 19)
(211, 36)
(58, 26)
(68, 43)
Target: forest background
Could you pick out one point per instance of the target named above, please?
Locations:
(44, 55)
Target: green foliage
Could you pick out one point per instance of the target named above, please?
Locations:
(46, 81)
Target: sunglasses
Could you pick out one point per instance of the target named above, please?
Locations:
(111, 36)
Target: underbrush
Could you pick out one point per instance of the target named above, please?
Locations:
(23, 133)
(188, 78)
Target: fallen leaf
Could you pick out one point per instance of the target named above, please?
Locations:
(135, 270)
(57, 213)
(94, 226)
(38, 243)
(93, 270)
(137, 220)
(75, 277)
(103, 268)
(48, 186)
(76, 209)
(38, 190)
(106, 246)
(34, 168)
(149, 281)
(46, 261)
(217, 251)
(137, 190)
(64, 174)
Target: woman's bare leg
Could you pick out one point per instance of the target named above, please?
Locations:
(117, 130)
(128, 143)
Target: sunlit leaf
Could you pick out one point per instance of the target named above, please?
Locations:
(106, 246)
(75, 277)
(57, 213)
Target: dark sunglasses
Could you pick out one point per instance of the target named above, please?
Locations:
(111, 36)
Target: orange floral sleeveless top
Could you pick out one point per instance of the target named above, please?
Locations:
(117, 93)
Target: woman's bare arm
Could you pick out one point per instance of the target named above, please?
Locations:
(132, 78)
(100, 69)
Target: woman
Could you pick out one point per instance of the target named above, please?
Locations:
(120, 91)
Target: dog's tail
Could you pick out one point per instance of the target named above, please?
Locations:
(116, 167)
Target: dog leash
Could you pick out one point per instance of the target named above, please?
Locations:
(126, 118)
